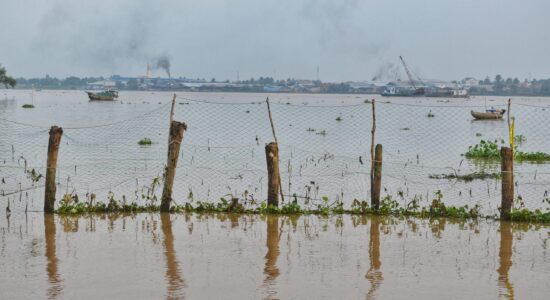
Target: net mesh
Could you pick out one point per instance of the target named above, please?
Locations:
(324, 152)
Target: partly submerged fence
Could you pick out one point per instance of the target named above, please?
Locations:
(324, 154)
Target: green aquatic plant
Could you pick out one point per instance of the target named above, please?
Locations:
(145, 142)
(520, 139)
(531, 156)
(430, 114)
(339, 118)
(27, 106)
(491, 150)
(69, 204)
(526, 215)
(485, 149)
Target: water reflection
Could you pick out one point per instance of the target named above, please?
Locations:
(303, 257)
(271, 270)
(506, 289)
(374, 275)
(173, 274)
(54, 280)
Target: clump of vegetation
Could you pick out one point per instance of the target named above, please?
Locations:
(430, 114)
(478, 134)
(485, 149)
(491, 150)
(526, 215)
(27, 106)
(467, 177)
(339, 119)
(405, 128)
(531, 156)
(145, 142)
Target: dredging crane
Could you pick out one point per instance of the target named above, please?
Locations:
(418, 91)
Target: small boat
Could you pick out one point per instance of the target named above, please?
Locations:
(489, 114)
(107, 95)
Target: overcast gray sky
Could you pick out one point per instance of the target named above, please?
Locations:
(348, 40)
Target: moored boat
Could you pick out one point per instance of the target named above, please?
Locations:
(489, 114)
(107, 95)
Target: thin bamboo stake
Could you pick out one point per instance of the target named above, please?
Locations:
(171, 116)
(510, 126)
(172, 109)
(271, 120)
(275, 138)
(373, 131)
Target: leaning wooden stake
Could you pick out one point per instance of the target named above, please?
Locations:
(277, 142)
(377, 178)
(273, 176)
(176, 136)
(507, 168)
(51, 167)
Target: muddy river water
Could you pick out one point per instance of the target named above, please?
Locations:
(153, 256)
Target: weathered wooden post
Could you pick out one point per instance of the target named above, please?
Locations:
(277, 142)
(507, 169)
(51, 167)
(176, 136)
(377, 177)
(273, 178)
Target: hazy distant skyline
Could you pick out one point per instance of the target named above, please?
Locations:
(347, 40)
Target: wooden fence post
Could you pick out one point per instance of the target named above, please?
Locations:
(176, 136)
(51, 167)
(507, 169)
(273, 178)
(377, 178)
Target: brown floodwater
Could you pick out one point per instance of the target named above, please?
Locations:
(224, 256)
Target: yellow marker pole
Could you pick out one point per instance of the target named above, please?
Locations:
(512, 139)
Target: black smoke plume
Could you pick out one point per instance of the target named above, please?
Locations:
(163, 62)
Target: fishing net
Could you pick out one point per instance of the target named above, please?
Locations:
(324, 150)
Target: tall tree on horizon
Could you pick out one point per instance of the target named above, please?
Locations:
(6, 80)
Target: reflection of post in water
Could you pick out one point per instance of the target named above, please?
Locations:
(173, 274)
(374, 275)
(272, 242)
(505, 259)
(53, 276)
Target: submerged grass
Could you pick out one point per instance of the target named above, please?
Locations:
(388, 207)
(467, 177)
